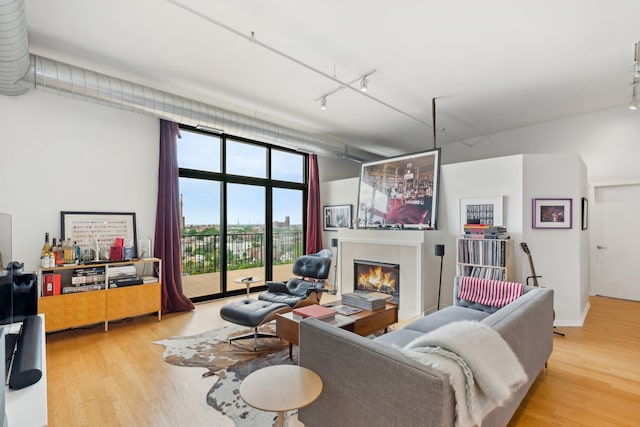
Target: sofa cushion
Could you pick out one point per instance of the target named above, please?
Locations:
(433, 321)
(399, 338)
(446, 315)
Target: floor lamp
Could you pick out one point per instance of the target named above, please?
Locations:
(334, 244)
(440, 252)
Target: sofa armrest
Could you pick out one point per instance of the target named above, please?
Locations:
(369, 384)
(526, 324)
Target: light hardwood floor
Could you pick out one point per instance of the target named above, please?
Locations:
(119, 378)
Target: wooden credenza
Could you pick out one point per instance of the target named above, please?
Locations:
(71, 310)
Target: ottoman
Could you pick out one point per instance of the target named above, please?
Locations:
(253, 313)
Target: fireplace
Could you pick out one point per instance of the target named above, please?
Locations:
(373, 276)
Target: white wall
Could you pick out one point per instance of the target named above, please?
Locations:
(560, 256)
(608, 142)
(60, 154)
(332, 169)
(500, 176)
(339, 192)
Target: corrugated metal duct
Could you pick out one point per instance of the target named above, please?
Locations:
(20, 71)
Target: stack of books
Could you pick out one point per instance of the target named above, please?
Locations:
(316, 311)
(483, 231)
(86, 279)
(123, 275)
(364, 300)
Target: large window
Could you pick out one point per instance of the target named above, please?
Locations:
(242, 208)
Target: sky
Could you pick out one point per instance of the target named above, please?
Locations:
(245, 203)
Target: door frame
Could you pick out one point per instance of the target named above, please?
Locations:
(593, 218)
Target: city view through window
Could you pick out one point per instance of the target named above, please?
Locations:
(235, 212)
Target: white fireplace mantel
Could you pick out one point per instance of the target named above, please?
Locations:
(413, 250)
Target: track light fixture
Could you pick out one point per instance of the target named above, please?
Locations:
(635, 68)
(634, 95)
(635, 75)
(364, 84)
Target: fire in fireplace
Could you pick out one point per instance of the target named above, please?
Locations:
(373, 276)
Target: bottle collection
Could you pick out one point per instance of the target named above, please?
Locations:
(60, 252)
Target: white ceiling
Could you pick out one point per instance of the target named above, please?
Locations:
(493, 65)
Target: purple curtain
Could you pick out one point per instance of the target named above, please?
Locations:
(167, 236)
(314, 217)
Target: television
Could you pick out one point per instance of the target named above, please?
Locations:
(400, 192)
(18, 295)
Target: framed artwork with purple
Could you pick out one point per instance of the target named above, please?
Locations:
(552, 213)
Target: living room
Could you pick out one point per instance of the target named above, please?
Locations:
(65, 154)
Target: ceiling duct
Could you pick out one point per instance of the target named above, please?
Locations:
(64, 79)
(14, 47)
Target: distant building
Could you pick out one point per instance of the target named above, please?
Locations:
(285, 224)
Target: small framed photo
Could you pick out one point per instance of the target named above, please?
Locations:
(585, 213)
(487, 211)
(335, 217)
(552, 213)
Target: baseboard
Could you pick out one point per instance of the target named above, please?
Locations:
(575, 323)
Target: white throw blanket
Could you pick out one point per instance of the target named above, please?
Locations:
(482, 369)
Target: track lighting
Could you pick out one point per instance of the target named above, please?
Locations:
(635, 69)
(364, 84)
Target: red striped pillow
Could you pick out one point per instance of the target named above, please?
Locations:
(495, 293)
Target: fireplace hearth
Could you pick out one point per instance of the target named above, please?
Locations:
(374, 276)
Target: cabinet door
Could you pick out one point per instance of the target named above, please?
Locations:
(133, 301)
(67, 311)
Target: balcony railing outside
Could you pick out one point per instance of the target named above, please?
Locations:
(201, 252)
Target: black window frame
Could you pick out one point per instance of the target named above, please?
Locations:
(268, 183)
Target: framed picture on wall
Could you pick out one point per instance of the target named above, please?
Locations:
(400, 191)
(335, 217)
(101, 228)
(552, 213)
(585, 213)
(487, 210)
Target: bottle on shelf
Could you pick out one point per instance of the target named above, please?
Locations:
(44, 254)
(76, 252)
(59, 254)
(68, 252)
(46, 247)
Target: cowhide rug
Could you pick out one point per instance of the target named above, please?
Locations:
(230, 363)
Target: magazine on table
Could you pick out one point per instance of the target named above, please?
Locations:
(346, 310)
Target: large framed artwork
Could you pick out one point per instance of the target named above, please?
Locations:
(335, 217)
(400, 191)
(89, 228)
(488, 210)
(552, 213)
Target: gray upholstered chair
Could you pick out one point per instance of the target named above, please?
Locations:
(304, 290)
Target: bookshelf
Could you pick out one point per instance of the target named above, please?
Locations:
(485, 258)
(104, 303)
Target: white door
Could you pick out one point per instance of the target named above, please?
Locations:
(615, 254)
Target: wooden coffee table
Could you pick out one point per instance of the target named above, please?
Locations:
(362, 323)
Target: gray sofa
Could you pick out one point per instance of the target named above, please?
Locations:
(369, 382)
